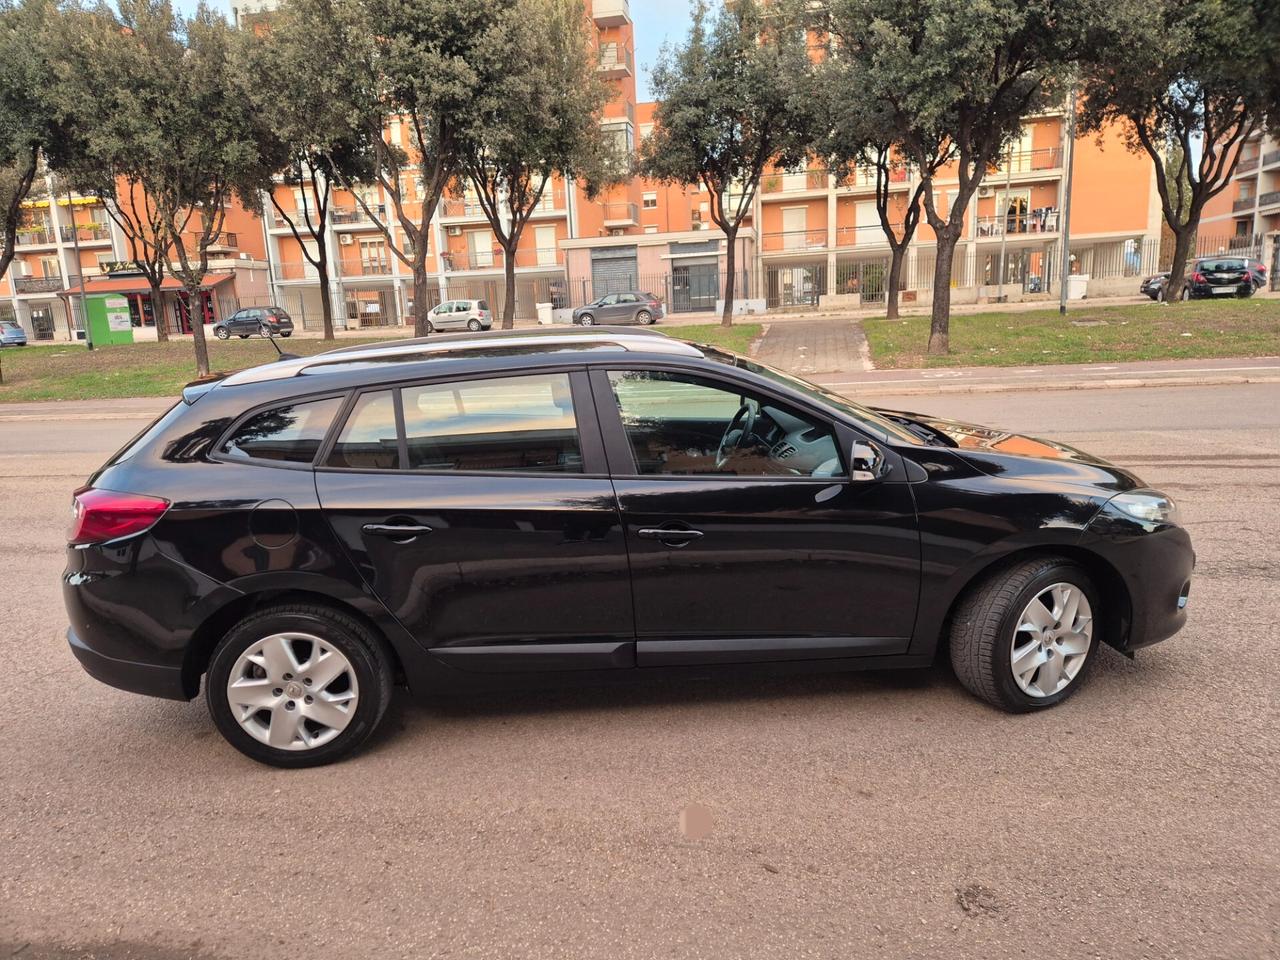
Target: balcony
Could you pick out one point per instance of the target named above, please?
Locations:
(1247, 164)
(610, 13)
(866, 235)
(37, 284)
(1044, 220)
(794, 241)
(349, 216)
(1244, 203)
(366, 267)
(1043, 159)
(86, 233)
(1270, 199)
(615, 61)
(1271, 159)
(456, 261)
(621, 214)
(37, 236)
(451, 209)
(224, 243)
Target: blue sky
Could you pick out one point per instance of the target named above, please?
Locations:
(655, 20)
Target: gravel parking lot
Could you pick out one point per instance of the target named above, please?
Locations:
(860, 815)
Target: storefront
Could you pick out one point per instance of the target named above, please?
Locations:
(173, 309)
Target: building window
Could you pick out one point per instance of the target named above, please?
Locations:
(650, 201)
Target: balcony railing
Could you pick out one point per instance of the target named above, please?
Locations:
(615, 60)
(864, 178)
(455, 261)
(1244, 203)
(620, 214)
(367, 267)
(1270, 198)
(38, 284)
(797, 240)
(295, 270)
(356, 214)
(87, 233)
(461, 209)
(865, 235)
(34, 237)
(1269, 158)
(1247, 164)
(1030, 161)
(1044, 220)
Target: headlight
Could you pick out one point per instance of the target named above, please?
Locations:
(1149, 506)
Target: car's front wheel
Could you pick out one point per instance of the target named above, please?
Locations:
(1023, 639)
(586, 320)
(222, 333)
(298, 685)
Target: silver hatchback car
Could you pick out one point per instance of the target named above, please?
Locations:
(461, 315)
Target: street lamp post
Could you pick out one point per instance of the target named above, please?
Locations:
(75, 243)
(1066, 202)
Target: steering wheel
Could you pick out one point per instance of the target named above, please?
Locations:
(747, 415)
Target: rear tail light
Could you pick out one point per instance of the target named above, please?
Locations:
(1197, 278)
(103, 515)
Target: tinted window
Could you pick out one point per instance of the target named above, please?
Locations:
(368, 440)
(506, 424)
(482, 304)
(680, 425)
(1222, 265)
(291, 434)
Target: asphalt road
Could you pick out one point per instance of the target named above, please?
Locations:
(886, 815)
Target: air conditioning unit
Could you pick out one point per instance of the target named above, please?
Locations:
(617, 232)
(455, 231)
(986, 191)
(345, 239)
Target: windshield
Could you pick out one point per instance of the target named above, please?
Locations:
(887, 429)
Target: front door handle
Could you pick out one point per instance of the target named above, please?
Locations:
(671, 536)
(403, 532)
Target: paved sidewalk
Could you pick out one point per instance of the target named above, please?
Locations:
(814, 346)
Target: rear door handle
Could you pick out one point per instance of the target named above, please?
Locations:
(395, 531)
(675, 536)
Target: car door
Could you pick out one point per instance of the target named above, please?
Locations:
(481, 514)
(606, 308)
(779, 553)
(440, 315)
(624, 311)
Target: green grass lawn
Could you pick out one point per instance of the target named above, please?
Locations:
(1194, 330)
(72, 372)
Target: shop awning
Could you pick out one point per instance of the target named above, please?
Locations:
(138, 284)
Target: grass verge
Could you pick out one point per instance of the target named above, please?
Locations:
(69, 371)
(1199, 329)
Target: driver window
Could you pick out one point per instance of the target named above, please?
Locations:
(610, 300)
(690, 426)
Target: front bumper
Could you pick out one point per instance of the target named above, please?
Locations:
(1156, 562)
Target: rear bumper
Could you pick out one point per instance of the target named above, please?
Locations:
(149, 679)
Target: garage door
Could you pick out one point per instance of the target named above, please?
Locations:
(613, 269)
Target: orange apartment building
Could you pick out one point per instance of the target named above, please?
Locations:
(70, 242)
(1245, 218)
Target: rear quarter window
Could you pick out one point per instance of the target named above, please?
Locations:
(291, 433)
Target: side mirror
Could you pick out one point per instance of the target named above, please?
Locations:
(867, 462)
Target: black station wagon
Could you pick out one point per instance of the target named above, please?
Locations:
(475, 510)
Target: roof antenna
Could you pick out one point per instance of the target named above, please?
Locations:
(265, 330)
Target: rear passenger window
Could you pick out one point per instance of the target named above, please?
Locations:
(289, 434)
(369, 440)
(520, 424)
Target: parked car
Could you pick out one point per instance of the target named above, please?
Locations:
(470, 315)
(1154, 286)
(1218, 277)
(629, 306)
(461, 512)
(12, 334)
(1258, 273)
(260, 320)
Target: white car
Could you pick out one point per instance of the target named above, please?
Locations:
(460, 315)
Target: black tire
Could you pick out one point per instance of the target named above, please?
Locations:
(983, 627)
(345, 634)
(586, 320)
(644, 317)
(222, 333)
(287, 335)
(245, 336)
(431, 327)
(1186, 293)
(473, 325)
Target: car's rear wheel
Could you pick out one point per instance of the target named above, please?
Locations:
(645, 317)
(222, 333)
(473, 325)
(298, 685)
(1023, 639)
(586, 320)
(287, 334)
(431, 327)
(1186, 293)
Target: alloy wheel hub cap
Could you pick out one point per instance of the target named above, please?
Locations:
(1052, 638)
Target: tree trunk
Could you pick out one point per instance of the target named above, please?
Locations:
(896, 256)
(731, 276)
(509, 301)
(195, 311)
(1178, 267)
(157, 311)
(326, 298)
(940, 317)
(421, 302)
